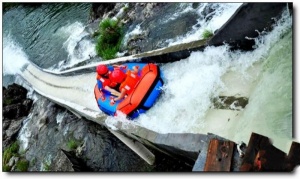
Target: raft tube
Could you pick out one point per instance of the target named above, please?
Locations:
(142, 98)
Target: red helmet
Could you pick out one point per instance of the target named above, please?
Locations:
(102, 69)
(117, 76)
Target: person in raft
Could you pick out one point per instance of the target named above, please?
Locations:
(104, 78)
(127, 82)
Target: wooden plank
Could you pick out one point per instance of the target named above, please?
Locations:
(219, 155)
(261, 155)
(294, 156)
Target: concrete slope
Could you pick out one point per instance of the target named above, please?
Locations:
(73, 92)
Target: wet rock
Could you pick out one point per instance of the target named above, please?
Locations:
(26, 105)
(14, 94)
(14, 127)
(15, 109)
(209, 11)
(99, 9)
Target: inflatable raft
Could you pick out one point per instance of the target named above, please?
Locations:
(144, 95)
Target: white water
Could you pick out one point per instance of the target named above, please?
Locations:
(223, 11)
(13, 56)
(77, 48)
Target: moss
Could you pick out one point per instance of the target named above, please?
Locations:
(6, 168)
(22, 165)
(72, 144)
(10, 151)
(207, 34)
(13, 151)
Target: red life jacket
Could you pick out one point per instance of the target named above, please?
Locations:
(130, 82)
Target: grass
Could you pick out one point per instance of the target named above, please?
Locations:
(12, 151)
(207, 34)
(110, 38)
(72, 144)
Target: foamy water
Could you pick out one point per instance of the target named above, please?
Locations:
(222, 12)
(13, 56)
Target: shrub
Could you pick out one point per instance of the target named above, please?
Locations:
(110, 38)
(207, 34)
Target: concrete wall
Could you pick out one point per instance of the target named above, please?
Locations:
(245, 22)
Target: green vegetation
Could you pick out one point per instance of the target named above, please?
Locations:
(11, 151)
(22, 165)
(6, 168)
(110, 38)
(46, 166)
(207, 34)
(72, 144)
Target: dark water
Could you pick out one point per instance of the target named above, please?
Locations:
(37, 29)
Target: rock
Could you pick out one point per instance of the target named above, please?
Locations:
(80, 149)
(9, 135)
(5, 124)
(14, 94)
(99, 9)
(27, 104)
(15, 103)
(14, 128)
(13, 111)
(15, 107)
(12, 161)
(77, 163)
(42, 121)
(209, 11)
(62, 163)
